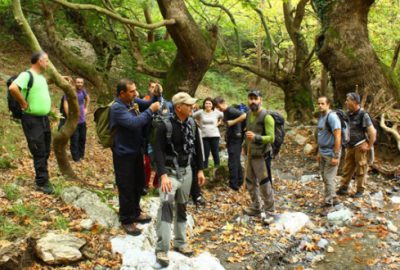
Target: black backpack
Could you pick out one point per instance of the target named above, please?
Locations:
(279, 132)
(13, 105)
(344, 123)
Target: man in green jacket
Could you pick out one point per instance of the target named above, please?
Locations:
(259, 137)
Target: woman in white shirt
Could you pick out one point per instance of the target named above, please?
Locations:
(208, 120)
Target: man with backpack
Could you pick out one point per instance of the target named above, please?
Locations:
(177, 142)
(31, 92)
(129, 117)
(78, 138)
(329, 146)
(362, 139)
(259, 138)
(234, 119)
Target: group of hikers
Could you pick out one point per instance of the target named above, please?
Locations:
(175, 139)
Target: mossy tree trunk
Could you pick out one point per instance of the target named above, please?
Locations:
(195, 49)
(344, 49)
(60, 139)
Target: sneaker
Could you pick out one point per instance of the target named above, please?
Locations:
(142, 218)
(266, 219)
(131, 229)
(334, 202)
(251, 211)
(185, 250)
(342, 191)
(46, 188)
(358, 194)
(162, 258)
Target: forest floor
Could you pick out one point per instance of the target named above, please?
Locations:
(369, 241)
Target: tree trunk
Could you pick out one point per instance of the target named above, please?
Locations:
(298, 104)
(324, 82)
(345, 50)
(195, 51)
(147, 15)
(60, 139)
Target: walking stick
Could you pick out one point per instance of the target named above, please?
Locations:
(246, 165)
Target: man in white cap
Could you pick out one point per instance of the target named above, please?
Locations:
(177, 141)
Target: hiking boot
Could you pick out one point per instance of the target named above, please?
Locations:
(333, 203)
(251, 211)
(47, 188)
(162, 258)
(358, 194)
(235, 188)
(131, 229)
(342, 191)
(142, 218)
(200, 201)
(185, 250)
(266, 219)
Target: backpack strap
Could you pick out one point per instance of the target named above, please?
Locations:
(327, 126)
(174, 157)
(30, 84)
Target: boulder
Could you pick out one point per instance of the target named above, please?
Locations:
(308, 178)
(395, 199)
(92, 204)
(86, 224)
(340, 217)
(55, 248)
(15, 255)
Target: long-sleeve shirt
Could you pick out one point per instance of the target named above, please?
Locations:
(162, 149)
(130, 127)
(269, 128)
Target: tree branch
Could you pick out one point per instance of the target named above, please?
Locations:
(114, 15)
(265, 26)
(395, 55)
(393, 130)
(232, 18)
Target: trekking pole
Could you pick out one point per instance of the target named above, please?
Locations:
(246, 165)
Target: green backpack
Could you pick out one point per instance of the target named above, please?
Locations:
(102, 120)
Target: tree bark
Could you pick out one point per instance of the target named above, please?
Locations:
(344, 49)
(60, 139)
(195, 51)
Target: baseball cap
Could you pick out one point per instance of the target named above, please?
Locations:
(183, 97)
(354, 96)
(254, 92)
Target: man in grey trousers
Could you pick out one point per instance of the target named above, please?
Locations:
(177, 141)
(329, 146)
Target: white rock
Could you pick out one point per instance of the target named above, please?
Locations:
(56, 248)
(92, 204)
(291, 222)
(86, 224)
(391, 226)
(340, 217)
(299, 139)
(377, 199)
(138, 252)
(308, 178)
(395, 199)
(322, 243)
(308, 149)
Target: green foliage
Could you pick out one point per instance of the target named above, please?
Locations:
(23, 210)
(10, 230)
(61, 223)
(12, 192)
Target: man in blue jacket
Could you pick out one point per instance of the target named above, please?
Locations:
(129, 117)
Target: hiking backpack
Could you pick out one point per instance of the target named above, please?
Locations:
(344, 123)
(13, 105)
(102, 120)
(279, 132)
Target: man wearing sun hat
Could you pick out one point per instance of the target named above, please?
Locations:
(177, 141)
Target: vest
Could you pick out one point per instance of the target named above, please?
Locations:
(357, 130)
(257, 126)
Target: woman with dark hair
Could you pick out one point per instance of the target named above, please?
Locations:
(208, 120)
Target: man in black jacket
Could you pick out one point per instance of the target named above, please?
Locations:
(177, 142)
